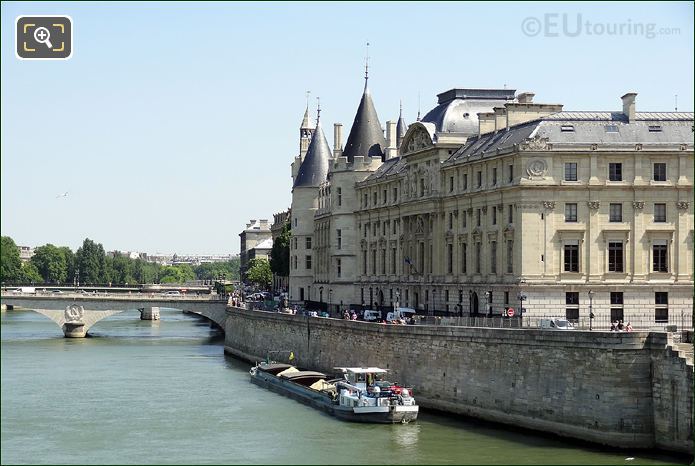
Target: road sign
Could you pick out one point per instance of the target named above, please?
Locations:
(510, 312)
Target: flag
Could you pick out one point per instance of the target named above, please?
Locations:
(291, 355)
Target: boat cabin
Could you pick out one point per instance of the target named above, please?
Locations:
(362, 377)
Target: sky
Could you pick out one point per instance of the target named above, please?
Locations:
(173, 124)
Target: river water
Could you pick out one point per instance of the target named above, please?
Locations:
(164, 392)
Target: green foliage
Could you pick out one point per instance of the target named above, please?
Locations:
(10, 264)
(29, 274)
(214, 270)
(259, 272)
(69, 263)
(91, 262)
(177, 274)
(50, 263)
(280, 254)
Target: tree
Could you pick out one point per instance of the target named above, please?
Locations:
(259, 272)
(10, 263)
(123, 270)
(280, 254)
(69, 263)
(213, 270)
(177, 274)
(29, 274)
(91, 262)
(50, 263)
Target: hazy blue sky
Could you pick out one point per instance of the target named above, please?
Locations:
(174, 124)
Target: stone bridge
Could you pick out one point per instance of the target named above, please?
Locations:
(76, 313)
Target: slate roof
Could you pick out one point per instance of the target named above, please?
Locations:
(391, 166)
(585, 128)
(314, 168)
(366, 136)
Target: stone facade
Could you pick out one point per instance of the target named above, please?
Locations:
(256, 241)
(630, 390)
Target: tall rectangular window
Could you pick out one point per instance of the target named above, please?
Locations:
(465, 181)
(661, 306)
(571, 257)
(510, 173)
(308, 242)
(659, 171)
(339, 192)
(383, 261)
(615, 212)
(385, 199)
(570, 212)
(422, 187)
(617, 312)
(479, 177)
(365, 200)
(572, 305)
(478, 259)
(510, 214)
(660, 257)
(494, 176)
(374, 199)
(395, 195)
(493, 257)
(615, 256)
(494, 215)
(393, 261)
(464, 258)
(477, 218)
(338, 268)
(364, 262)
(615, 171)
(307, 262)
(451, 221)
(451, 184)
(339, 236)
(571, 171)
(449, 258)
(510, 256)
(373, 261)
(659, 213)
(464, 219)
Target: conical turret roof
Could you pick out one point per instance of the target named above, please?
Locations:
(366, 137)
(401, 127)
(306, 121)
(314, 169)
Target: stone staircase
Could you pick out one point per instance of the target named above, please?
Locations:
(685, 351)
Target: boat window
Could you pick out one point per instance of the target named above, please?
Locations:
(361, 377)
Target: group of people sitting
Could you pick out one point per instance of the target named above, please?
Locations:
(617, 326)
(347, 315)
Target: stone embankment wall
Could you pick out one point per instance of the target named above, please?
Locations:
(621, 389)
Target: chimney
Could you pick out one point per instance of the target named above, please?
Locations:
(486, 122)
(392, 149)
(264, 224)
(500, 118)
(519, 112)
(629, 106)
(337, 139)
(525, 97)
(251, 222)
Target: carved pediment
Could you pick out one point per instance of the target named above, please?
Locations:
(417, 140)
(536, 143)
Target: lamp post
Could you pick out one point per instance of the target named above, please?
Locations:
(398, 299)
(487, 300)
(591, 310)
(521, 297)
(330, 295)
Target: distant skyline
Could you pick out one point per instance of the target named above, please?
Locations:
(173, 124)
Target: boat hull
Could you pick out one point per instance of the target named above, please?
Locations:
(377, 414)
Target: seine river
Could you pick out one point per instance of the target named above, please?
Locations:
(163, 392)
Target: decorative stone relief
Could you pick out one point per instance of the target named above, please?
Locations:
(419, 140)
(484, 209)
(594, 205)
(74, 313)
(537, 167)
(536, 143)
(683, 205)
(549, 204)
(638, 205)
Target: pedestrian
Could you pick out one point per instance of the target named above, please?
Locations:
(621, 327)
(628, 327)
(614, 328)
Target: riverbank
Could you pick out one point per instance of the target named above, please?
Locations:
(625, 390)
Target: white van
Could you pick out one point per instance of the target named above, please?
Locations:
(555, 324)
(25, 289)
(404, 313)
(371, 315)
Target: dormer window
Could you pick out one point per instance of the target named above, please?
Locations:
(654, 128)
(567, 128)
(611, 128)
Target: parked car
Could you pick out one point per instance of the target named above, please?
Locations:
(171, 293)
(404, 313)
(371, 315)
(555, 324)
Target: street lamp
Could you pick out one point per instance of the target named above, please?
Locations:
(521, 297)
(330, 294)
(396, 304)
(591, 309)
(487, 299)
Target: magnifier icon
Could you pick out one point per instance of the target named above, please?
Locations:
(42, 36)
